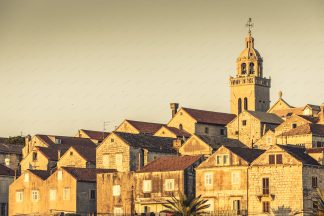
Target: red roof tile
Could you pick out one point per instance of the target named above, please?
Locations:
(315, 150)
(178, 132)
(97, 135)
(170, 163)
(145, 127)
(210, 117)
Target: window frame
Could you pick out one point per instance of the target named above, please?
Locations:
(265, 207)
(51, 194)
(167, 183)
(116, 190)
(266, 186)
(147, 186)
(19, 196)
(35, 195)
(65, 197)
(208, 180)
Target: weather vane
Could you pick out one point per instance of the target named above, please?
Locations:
(249, 24)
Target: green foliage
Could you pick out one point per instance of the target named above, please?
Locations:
(184, 206)
(16, 140)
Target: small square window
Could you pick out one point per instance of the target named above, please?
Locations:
(71, 153)
(222, 131)
(92, 195)
(35, 195)
(244, 122)
(206, 130)
(294, 125)
(112, 140)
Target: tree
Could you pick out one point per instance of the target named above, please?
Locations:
(16, 140)
(193, 206)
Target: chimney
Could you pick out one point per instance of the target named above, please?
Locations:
(174, 107)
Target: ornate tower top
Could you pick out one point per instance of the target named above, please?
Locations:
(249, 63)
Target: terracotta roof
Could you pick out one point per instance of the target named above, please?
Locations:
(246, 154)
(151, 143)
(43, 174)
(87, 152)
(97, 135)
(48, 139)
(315, 150)
(86, 174)
(300, 154)
(11, 148)
(5, 171)
(171, 163)
(178, 132)
(264, 117)
(315, 129)
(145, 127)
(210, 117)
(313, 107)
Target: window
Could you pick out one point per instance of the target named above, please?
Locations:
(35, 195)
(251, 68)
(180, 127)
(235, 178)
(59, 175)
(105, 160)
(119, 161)
(169, 184)
(272, 159)
(118, 211)
(314, 182)
(26, 177)
(244, 122)
(265, 186)
(34, 156)
(71, 153)
(239, 105)
(208, 179)
(222, 131)
(245, 103)
(147, 186)
(243, 68)
(266, 207)
(52, 194)
(7, 162)
(112, 140)
(116, 190)
(279, 158)
(237, 206)
(225, 159)
(19, 196)
(218, 159)
(294, 125)
(275, 159)
(92, 195)
(206, 130)
(66, 193)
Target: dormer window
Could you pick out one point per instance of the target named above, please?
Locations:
(58, 141)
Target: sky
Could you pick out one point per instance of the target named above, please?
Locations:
(67, 65)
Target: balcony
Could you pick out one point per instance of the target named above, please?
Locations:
(250, 80)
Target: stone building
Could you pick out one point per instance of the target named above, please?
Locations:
(306, 135)
(162, 178)
(10, 155)
(201, 122)
(52, 141)
(130, 152)
(7, 176)
(81, 156)
(95, 136)
(205, 145)
(118, 196)
(137, 127)
(283, 181)
(27, 193)
(250, 126)
(223, 179)
(250, 90)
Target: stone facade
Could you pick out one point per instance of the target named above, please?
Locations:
(72, 158)
(37, 160)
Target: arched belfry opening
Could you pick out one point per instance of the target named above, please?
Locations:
(243, 68)
(251, 68)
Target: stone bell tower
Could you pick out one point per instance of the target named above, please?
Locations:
(249, 89)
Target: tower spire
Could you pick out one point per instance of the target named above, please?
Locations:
(249, 25)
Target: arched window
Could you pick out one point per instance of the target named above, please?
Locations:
(180, 127)
(239, 106)
(245, 103)
(251, 68)
(243, 68)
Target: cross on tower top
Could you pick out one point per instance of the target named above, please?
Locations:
(249, 24)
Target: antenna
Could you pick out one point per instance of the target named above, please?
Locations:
(105, 123)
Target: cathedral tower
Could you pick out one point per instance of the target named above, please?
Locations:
(249, 89)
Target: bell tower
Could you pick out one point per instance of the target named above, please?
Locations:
(249, 89)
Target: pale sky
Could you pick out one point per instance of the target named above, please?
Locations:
(74, 64)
